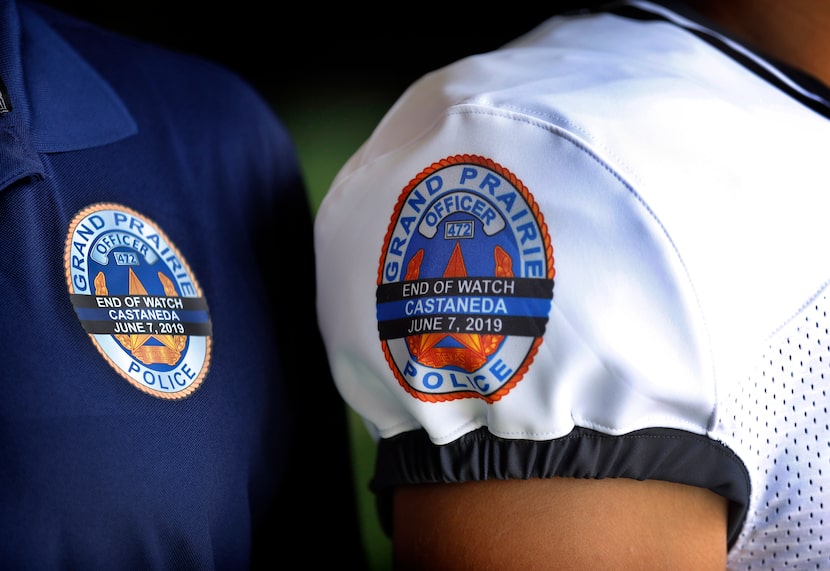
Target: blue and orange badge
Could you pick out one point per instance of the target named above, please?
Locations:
(138, 300)
(465, 283)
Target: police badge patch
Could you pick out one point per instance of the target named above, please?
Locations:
(138, 300)
(465, 283)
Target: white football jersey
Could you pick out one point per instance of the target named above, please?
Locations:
(600, 251)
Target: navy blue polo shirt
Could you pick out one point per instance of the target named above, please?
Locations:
(158, 342)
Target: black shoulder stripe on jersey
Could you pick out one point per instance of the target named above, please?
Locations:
(802, 87)
(651, 454)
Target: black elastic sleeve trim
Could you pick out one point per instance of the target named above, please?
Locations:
(652, 454)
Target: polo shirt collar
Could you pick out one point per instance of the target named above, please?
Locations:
(56, 101)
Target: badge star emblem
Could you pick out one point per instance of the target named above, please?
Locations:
(467, 351)
(169, 349)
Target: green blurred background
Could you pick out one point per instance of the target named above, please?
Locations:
(330, 73)
(328, 125)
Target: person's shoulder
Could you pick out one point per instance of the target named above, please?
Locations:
(578, 74)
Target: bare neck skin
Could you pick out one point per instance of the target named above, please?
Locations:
(796, 32)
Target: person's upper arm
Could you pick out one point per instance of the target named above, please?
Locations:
(559, 523)
(518, 328)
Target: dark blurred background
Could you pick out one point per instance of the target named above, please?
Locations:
(311, 44)
(330, 74)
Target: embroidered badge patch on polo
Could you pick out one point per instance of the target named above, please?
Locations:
(138, 300)
(465, 282)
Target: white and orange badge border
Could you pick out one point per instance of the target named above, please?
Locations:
(465, 281)
(138, 300)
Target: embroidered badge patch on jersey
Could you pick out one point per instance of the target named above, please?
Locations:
(138, 300)
(465, 282)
